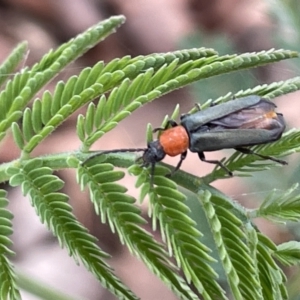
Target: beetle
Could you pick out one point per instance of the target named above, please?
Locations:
(237, 124)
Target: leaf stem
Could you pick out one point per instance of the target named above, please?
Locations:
(40, 289)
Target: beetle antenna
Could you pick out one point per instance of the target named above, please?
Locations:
(113, 151)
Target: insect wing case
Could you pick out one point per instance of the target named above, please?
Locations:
(192, 122)
(254, 125)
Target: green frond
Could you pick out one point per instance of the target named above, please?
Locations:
(271, 276)
(110, 110)
(229, 63)
(12, 61)
(281, 206)
(288, 253)
(8, 286)
(118, 209)
(267, 91)
(180, 234)
(21, 89)
(231, 242)
(273, 90)
(246, 254)
(49, 112)
(11, 94)
(53, 209)
(68, 52)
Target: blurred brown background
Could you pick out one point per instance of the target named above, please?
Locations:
(151, 26)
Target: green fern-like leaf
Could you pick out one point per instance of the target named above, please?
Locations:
(12, 61)
(238, 263)
(56, 60)
(8, 286)
(281, 206)
(230, 63)
(267, 91)
(288, 253)
(130, 95)
(21, 89)
(124, 217)
(242, 250)
(42, 186)
(271, 276)
(179, 233)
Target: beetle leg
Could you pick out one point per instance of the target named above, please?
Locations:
(169, 122)
(249, 151)
(182, 158)
(216, 162)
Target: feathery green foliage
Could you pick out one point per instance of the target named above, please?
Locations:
(271, 276)
(118, 209)
(10, 64)
(53, 209)
(182, 260)
(179, 233)
(281, 206)
(24, 85)
(288, 253)
(231, 242)
(8, 286)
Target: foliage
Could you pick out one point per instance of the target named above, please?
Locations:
(182, 260)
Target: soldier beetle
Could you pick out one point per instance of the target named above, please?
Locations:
(235, 124)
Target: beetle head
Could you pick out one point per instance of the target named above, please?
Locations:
(153, 154)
